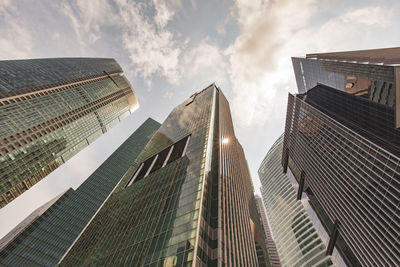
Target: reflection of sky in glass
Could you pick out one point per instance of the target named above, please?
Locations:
(309, 72)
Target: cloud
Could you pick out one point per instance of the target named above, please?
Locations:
(260, 68)
(16, 41)
(271, 32)
(255, 57)
(371, 16)
(205, 61)
(165, 10)
(151, 47)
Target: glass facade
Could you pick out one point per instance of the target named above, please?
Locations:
(48, 238)
(187, 199)
(21, 76)
(50, 109)
(297, 241)
(371, 81)
(310, 72)
(271, 247)
(346, 160)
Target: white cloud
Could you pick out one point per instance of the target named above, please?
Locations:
(371, 16)
(16, 41)
(271, 32)
(152, 48)
(259, 71)
(205, 61)
(165, 10)
(87, 18)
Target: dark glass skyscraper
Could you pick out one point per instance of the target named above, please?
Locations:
(371, 74)
(186, 201)
(344, 151)
(47, 238)
(50, 109)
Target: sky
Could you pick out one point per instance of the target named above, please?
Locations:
(171, 49)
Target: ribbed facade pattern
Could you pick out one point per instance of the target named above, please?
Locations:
(371, 81)
(296, 239)
(48, 238)
(50, 109)
(240, 229)
(176, 209)
(271, 247)
(350, 180)
(310, 72)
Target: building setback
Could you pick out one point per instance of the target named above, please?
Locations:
(186, 201)
(297, 240)
(50, 109)
(45, 239)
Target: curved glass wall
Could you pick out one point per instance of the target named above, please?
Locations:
(296, 239)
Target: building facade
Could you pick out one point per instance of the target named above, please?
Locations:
(271, 247)
(371, 74)
(47, 237)
(297, 240)
(342, 147)
(27, 221)
(50, 109)
(186, 201)
(345, 150)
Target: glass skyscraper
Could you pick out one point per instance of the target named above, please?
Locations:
(187, 200)
(343, 149)
(371, 74)
(297, 240)
(50, 109)
(45, 236)
(271, 248)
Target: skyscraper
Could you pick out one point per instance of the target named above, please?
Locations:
(343, 150)
(271, 248)
(45, 239)
(186, 201)
(50, 109)
(298, 241)
(372, 74)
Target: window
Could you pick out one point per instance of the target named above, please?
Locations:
(159, 160)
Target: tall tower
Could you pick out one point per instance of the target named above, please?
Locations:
(50, 109)
(271, 248)
(298, 241)
(343, 149)
(372, 74)
(46, 235)
(186, 201)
